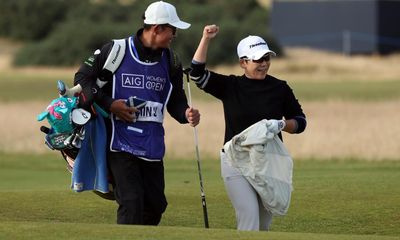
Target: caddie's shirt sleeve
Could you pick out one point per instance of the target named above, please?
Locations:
(87, 75)
(177, 103)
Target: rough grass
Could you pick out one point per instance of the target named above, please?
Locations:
(336, 129)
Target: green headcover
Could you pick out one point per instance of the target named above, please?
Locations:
(58, 114)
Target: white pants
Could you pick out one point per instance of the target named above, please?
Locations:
(250, 212)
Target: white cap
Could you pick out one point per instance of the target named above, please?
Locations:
(253, 47)
(163, 13)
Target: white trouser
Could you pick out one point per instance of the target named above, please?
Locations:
(250, 212)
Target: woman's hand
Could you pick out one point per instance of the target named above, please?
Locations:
(210, 31)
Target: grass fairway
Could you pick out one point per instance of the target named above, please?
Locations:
(331, 200)
(51, 231)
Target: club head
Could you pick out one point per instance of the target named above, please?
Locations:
(76, 142)
(68, 141)
(81, 133)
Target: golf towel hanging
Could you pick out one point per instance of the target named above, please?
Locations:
(90, 167)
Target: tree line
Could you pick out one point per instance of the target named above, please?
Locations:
(65, 32)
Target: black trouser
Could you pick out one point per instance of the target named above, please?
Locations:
(138, 187)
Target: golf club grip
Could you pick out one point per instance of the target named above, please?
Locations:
(74, 90)
(186, 72)
(45, 129)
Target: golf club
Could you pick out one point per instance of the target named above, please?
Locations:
(63, 90)
(203, 195)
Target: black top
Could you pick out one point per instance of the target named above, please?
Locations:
(93, 69)
(247, 101)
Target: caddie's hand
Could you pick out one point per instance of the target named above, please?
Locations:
(123, 111)
(193, 116)
(210, 31)
(275, 126)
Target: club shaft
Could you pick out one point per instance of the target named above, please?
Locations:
(203, 195)
(196, 142)
(190, 94)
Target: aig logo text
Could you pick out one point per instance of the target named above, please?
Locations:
(132, 80)
(140, 81)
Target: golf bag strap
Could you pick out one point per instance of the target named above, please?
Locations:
(117, 54)
(114, 58)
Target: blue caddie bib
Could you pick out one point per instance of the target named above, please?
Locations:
(149, 81)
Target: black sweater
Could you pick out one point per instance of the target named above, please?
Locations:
(247, 101)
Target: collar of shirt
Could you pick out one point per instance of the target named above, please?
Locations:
(146, 54)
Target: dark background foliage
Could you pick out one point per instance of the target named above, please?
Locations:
(64, 32)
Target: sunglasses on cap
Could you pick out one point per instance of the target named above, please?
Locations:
(266, 58)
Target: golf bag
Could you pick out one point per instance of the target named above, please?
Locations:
(68, 120)
(64, 134)
(67, 133)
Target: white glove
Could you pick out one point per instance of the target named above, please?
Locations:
(275, 126)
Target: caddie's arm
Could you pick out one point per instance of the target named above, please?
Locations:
(123, 111)
(177, 103)
(88, 74)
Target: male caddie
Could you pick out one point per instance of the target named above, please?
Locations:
(143, 66)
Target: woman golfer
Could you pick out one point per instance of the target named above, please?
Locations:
(246, 100)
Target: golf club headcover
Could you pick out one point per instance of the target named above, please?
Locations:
(58, 114)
